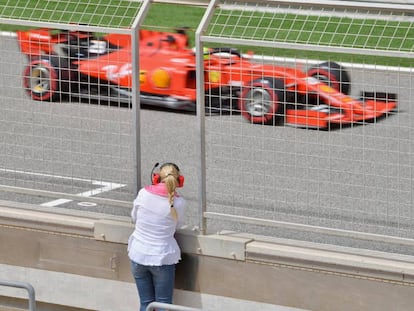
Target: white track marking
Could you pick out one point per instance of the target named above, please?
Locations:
(105, 186)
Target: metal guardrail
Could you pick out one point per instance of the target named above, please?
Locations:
(27, 286)
(166, 306)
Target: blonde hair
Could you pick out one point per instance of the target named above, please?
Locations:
(169, 174)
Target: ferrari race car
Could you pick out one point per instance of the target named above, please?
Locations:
(67, 64)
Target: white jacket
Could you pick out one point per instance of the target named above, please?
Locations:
(152, 243)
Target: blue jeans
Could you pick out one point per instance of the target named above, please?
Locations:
(154, 283)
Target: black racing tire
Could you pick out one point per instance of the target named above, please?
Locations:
(47, 78)
(40, 80)
(263, 101)
(332, 74)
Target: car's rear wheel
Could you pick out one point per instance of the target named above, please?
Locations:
(332, 74)
(41, 80)
(263, 101)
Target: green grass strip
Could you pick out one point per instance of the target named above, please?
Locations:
(107, 13)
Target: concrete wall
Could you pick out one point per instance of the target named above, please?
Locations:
(80, 261)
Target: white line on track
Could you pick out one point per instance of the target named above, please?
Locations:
(105, 186)
(7, 34)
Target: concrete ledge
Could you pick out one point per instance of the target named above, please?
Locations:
(216, 245)
(116, 229)
(274, 271)
(339, 262)
(228, 245)
(113, 231)
(41, 220)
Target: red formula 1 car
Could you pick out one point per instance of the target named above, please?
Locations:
(82, 65)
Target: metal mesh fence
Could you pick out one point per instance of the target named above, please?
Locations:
(107, 13)
(79, 146)
(67, 114)
(67, 125)
(281, 168)
(316, 25)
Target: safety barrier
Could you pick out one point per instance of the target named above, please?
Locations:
(24, 285)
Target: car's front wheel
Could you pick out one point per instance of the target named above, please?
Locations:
(263, 101)
(332, 74)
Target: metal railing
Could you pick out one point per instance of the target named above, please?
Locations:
(24, 285)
